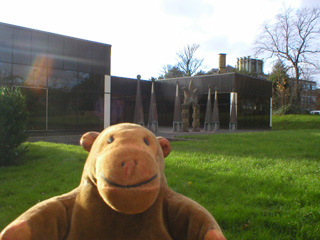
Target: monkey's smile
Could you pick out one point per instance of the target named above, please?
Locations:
(129, 186)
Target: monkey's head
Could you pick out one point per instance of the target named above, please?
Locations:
(126, 163)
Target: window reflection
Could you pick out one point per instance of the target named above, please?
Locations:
(36, 106)
(6, 36)
(39, 49)
(63, 67)
(90, 110)
(55, 52)
(21, 46)
(62, 80)
(85, 56)
(5, 74)
(70, 54)
(29, 76)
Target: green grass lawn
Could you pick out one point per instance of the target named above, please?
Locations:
(262, 185)
(303, 121)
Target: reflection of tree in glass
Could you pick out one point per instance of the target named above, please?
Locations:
(8, 79)
(90, 90)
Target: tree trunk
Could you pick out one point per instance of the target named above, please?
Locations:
(295, 95)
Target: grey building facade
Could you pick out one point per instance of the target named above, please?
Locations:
(253, 98)
(66, 80)
(69, 87)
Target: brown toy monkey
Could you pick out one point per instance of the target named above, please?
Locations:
(123, 195)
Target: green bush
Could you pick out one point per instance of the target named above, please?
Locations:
(288, 109)
(13, 125)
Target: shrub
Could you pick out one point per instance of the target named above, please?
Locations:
(288, 109)
(13, 125)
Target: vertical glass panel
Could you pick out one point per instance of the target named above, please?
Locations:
(22, 46)
(63, 80)
(90, 101)
(62, 100)
(129, 108)
(6, 38)
(90, 110)
(36, 106)
(253, 111)
(84, 56)
(39, 77)
(90, 82)
(224, 109)
(22, 75)
(39, 49)
(84, 81)
(118, 105)
(70, 52)
(29, 76)
(5, 74)
(55, 52)
(99, 56)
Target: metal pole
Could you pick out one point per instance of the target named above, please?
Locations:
(271, 112)
(47, 98)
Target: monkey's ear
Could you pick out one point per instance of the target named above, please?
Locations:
(88, 139)
(165, 145)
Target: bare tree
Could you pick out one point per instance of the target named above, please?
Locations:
(293, 37)
(188, 62)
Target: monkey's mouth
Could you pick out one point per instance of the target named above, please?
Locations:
(130, 185)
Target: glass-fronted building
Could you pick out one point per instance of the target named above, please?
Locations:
(253, 98)
(69, 87)
(66, 80)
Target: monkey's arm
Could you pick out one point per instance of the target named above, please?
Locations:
(46, 220)
(190, 221)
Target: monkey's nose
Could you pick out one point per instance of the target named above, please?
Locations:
(128, 168)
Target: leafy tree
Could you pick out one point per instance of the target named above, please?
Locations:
(170, 71)
(294, 38)
(13, 125)
(188, 62)
(280, 85)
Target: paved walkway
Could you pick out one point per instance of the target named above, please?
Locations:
(73, 138)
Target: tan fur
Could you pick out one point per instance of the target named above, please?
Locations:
(123, 194)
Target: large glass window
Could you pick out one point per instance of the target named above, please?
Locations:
(39, 49)
(36, 106)
(21, 46)
(39, 77)
(253, 111)
(22, 75)
(62, 80)
(70, 71)
(90, 110)
(6, 36)
(70, 54)
(29, 76)
(62, 99)
(99, 54)
(55, 52)
(5, 74)
(90, 82)
(84, 56)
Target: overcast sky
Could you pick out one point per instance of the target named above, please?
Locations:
(146, 34)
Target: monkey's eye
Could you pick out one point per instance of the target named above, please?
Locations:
(111, 139)
(146, 141)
